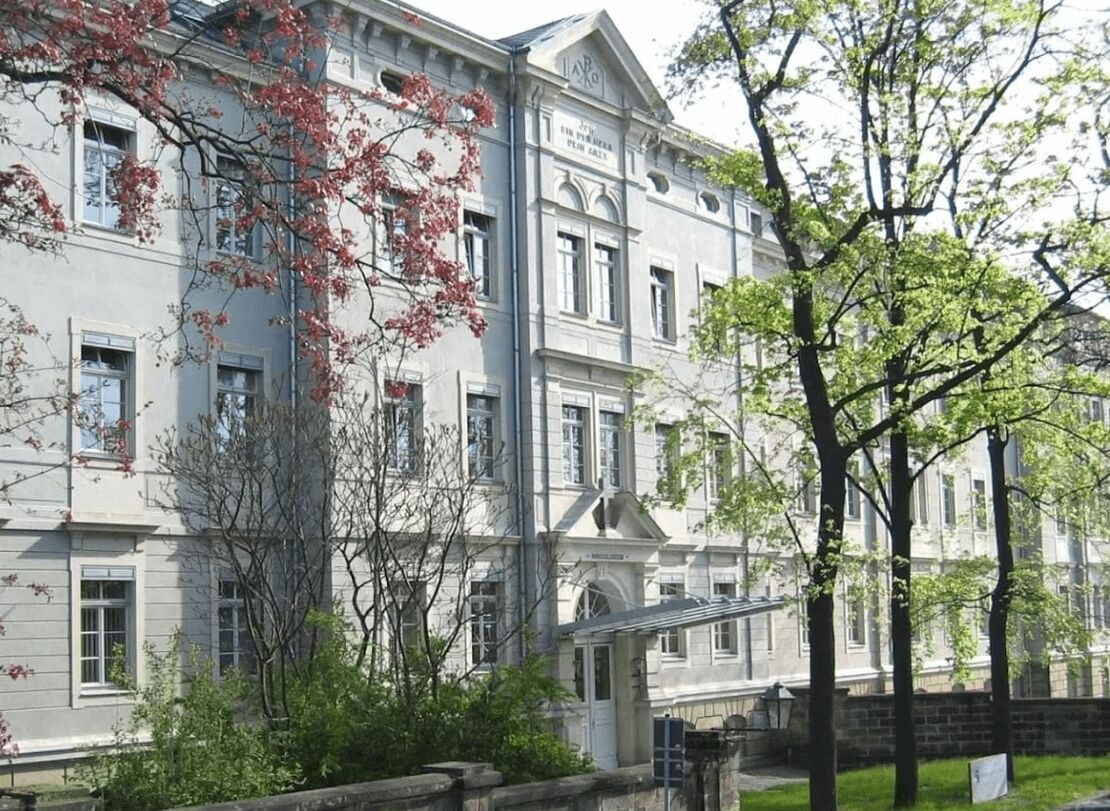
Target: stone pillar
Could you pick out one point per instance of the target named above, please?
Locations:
(712, 770)
(474, 782)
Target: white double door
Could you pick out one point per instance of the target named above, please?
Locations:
(593, 681)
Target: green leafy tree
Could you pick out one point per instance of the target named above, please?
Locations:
(880, 217)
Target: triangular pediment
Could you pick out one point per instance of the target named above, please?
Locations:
(617, 515)
(591, 54)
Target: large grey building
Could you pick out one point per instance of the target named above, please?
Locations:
(596, 237)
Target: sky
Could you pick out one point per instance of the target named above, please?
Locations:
(652, 29)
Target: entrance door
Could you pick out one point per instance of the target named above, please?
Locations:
(593, 681)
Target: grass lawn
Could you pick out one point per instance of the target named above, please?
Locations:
(1042, 783)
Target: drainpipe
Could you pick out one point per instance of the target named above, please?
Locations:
(291, 245)
(514, 275)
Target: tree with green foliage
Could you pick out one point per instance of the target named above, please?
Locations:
(872, 211)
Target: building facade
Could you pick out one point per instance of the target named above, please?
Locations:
(594, 237)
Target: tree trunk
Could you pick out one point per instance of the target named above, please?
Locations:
(901, 631)
(1001, 728)
(822, 634)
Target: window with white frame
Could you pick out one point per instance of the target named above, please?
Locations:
(724, 633)
(608, 288)
(571, 299)
(477, 233)
(803, 621)
(807, 494)
(718, 471)
(856, 618)
(756, 222)
(662, 304)
(406, 614)
(105, 148)
(231, 628)
(948, 499)
(979, 504)
(237, 231)
(481, 435)
(402, 425)
(238, 386)
(611, 440)
(919, 501)
(574, 444)
(666, 450)
(485, 604)
(105, 401)
(851, 493)
(394, 228)
(1095, 410)
(671, 587)
(107, 598)
(768, 592)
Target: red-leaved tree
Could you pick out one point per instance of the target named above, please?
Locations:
(303, 165)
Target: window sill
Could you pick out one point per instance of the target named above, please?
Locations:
(573, 314)
(115, 234)
(673, 659)
(670, 343)
(725, 654)
(612, 326)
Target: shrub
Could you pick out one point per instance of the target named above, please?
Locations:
(199, 750)
(348, 725)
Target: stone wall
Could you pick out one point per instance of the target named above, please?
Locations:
(959, 725)
(712, 783)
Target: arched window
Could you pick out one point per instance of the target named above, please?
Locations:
(709, 202)
(593, 602)
(659, 182)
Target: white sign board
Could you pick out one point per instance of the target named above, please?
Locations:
(987, 778)
(586, 139)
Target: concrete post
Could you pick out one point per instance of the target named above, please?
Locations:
(713, 757)
(473, 782)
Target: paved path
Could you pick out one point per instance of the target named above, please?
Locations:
(764, 777)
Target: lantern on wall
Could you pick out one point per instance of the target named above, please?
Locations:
(779, 702)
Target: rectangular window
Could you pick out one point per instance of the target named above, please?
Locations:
(921, 495)
(803, 621)
(724, 633)
(477, 229)
(666, 450)
(851, 493)
(671, 587)
(105, 618)
(237, 391)
(484, 607)
(104, 406)
(661, 304)
(574, 444)
(237, 232)
(393, 231)
(1095, 410)
(856, 617)
(231, 621)
(105, 148)
(757, 224)
(948, 499)
(481, 435)
(807, 495)
(402, 426)
(719, 466)
(570, 274)
(610, 432)
(608, 297)
(979, 504)
(407, 616)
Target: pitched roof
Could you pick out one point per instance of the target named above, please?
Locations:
(526, 39)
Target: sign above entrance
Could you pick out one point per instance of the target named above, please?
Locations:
(582, 138)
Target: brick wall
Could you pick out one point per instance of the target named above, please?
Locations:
(959, 725)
